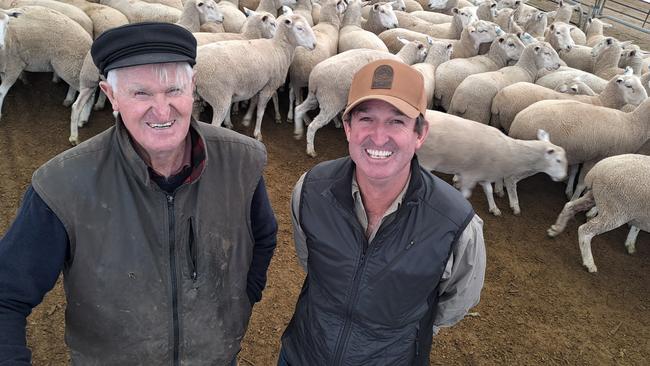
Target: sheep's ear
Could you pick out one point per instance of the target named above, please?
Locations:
(455, 10)
(248, 12)
(560, 3)
(628, 71)
(552, 26)
(13, 13)
(199, 4)
(632, 53)
(404, 41)
(543, 135)
(286, 11)
(501, 39)
(619, 80)
(450, 46)
(609, 41)
(341, 6)
(375, 7)
(429, 40)
(265, 18)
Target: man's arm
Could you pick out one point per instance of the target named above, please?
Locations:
(298, 235)
(265, 229)
(461, 284)
(32, 254)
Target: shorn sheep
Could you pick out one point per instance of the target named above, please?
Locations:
(330, 81)
(352, 36)
(588, 133)
(473, 97)
(619, 189)
(481, 154)
(620, 90)
(257, 25)
(439, 52)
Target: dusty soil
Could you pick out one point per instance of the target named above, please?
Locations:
(538, 306)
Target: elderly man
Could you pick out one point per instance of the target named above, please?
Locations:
(161, 224)
(391, 252)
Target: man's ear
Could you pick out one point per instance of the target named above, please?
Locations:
(423, 135)
(108, 90)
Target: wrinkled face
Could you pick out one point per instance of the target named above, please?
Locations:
(382, 141)
(155, 103)
(209, 12)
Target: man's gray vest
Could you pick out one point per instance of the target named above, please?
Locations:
(154, 278)
(371, 304)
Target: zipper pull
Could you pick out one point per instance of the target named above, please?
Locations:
(411, 244)
(170, 199)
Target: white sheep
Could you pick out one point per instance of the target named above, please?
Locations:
(178, 4)
(367, 5)
(588, 133)
(305, 8)
(233, 71)
(481, 154)
(444, 6)
(233, 18)
(634, 57)
(68, 10)
(487, 10)
(28, 46)
(575, 87)
(536, 24)
(198, 12)
(352, 36)
(595, 28)
(272, 6)
(620, 91)
(257, 25)
(619, 189)
(563, 14)
(329, 84)
(566, 74)
(449, 75)
(473, 97)
(327, 39)
(439, 52)
(138, 11)
(381, 17)
(103, 17)
(412, 5)
(461, 18)
(429, 16)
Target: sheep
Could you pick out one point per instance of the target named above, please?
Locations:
(28, 46)
(367, 5)
(330, 81)
(563, 14)
(305, 8)
(257, 25)
(505, 18)
(645, 81)
(487, 10)
(473, 97)
(633, 57)
(461, 18)
(352, 36)
(272, 6)
(575, 87)
(327, 37)
(178, 4)
(198, 12)
(620, 90)
(482, 154)
(103, 17)
(380, 18)
(595, 28)
(429, 16)
(588, 133)
(536, 24)
(444, 6)
(559, 37)
(138, 11)
(233, 18)
(565, 74)
(68, 10)
(439, 52)
(89, 78)
(619, 190)
(450, 74)
(233, 71)
(412, 5)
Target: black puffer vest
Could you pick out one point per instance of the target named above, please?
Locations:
(371, 304)
(154, 278)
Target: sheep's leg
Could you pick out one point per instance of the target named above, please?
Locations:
(56, 79)
(338, 123)
(23, 78)
(498, 188)
(604, 222)
(264, 97)
(70, 97)
(487, 188)
(101, 101)
(511, 188)
(580, 187)
(248, 117)
(292, 102)
(7, 82)
(234, 109)
(570, 209)
(227, 122)
(466, 187)
(324, 116)
(310, 103)
(592, 213)
(84, 98)
(220, 109)
(630, 241)
(573, 172)
(276, 106)
(85, 111)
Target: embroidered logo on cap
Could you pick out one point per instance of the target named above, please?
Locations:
(382, 78)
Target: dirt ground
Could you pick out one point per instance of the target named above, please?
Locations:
(538, 306)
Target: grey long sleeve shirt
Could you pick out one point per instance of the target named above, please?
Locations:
(462, 281)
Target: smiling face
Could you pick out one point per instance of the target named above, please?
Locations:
(382, 142)
(155, 103)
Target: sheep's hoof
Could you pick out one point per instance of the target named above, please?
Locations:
(311, 153)
(631, 250)
(258, 136)
(246, 122)
(516, 211)
(553, 231)
(289, 119)
(74, 141)
(278, 120)
(590, 267)
(495, 211)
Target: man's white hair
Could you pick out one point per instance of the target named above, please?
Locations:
(183, 74)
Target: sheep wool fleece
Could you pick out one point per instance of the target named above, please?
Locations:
(155, 278)
(371, 303)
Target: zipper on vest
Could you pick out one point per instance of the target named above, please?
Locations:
(338, 355)
(172, 269)
(191, 251)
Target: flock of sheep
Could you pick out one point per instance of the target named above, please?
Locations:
(524, 91)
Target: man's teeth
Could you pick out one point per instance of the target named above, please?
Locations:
(160, 125)
(379, 154)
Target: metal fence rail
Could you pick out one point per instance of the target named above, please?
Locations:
(637, 13)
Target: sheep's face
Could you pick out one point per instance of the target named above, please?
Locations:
(385, 14)
(545, 56)
(555, 158)
(575, 87)
(505, 4)
(511, 46)
(398, 5)
(630, 56)
(155, 103)
(439, 52)
(483, 31)
(209, 12)
(437, 4)
(267, 24)
(559, 36)
(467, 15)
(631, 89)
(382, 142)
(299, 31)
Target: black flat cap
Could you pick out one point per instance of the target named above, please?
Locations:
(141, 44)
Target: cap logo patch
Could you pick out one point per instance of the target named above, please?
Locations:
(382, 78)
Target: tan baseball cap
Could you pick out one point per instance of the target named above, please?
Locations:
(391, 81)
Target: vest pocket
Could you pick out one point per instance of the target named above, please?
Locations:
(192, 250)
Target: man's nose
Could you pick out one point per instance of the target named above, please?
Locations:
(161, 107)
(379, 134)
